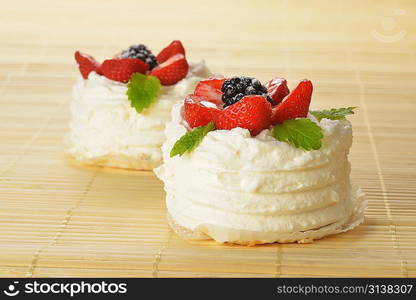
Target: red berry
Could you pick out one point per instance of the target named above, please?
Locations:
(251, 112)
(277, 89)
(172, 70)
(210, 90)
(86, 64)
(174, 48)
(122, 69)
(196, 113)
(295, 105)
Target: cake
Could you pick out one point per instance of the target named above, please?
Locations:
(120, 107)
(248, 163)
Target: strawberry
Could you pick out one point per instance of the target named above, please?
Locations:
(172, 70)
(210, 90)
(295, 105)
(174, 48)
(251, 112)
(277, 89)
(122, 69)
(196, 113)
(86, 64)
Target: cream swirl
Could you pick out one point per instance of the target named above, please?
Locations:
(257, 184)
(106, 130)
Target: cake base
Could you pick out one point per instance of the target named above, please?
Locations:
(115, 162)
(251, 238)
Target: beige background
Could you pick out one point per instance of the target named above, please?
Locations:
(60, 220)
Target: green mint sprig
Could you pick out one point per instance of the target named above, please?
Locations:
(142, 91)
(190, 140)
(334, 113)
(301, 133)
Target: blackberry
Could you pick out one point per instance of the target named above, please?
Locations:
(140, 52)
(236, 88)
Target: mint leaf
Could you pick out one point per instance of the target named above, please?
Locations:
(334, 113)
(142, 91)
(301, 133)
(190, 140)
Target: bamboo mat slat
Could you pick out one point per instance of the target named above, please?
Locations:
(57, 219)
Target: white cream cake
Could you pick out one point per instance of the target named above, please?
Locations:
(239, 188)
(106, 131)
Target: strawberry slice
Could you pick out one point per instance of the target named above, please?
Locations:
(210, 90)
(172, 70)
(251, 112)
(174, 48)
(122, 69)
(295, 105)
(86, 64)
(198, 112)
(277, 89)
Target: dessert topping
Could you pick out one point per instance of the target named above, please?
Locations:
(236, 88)
(295, 105)
(122, 69)
(301, 133)
(210, 90)
(172, 49)
(142, 91)
(138, 58)
(277, 109)
(141, 52)
(172, 70)
(86, 64)
(251, 112)
(197, 113)
(334, 113)
(190, 140)
(277, 89)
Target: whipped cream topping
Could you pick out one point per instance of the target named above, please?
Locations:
(257, 184)
(106, 130)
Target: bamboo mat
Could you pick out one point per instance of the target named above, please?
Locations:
(57, 219)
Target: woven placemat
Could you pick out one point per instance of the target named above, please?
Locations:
(57, 219)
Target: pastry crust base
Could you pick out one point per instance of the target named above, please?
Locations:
(116, 162)
(251, 238)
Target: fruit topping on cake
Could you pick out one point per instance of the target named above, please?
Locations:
(172, 70)
(122, 69)
(251, 112)
(172, 49)
(86, 64)
(235, 88)
(244, 102)
(141, 52)
(210, 90)
(198, 111)
(295, 105)
(169, 66)
(227, 103)
(277, 89)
